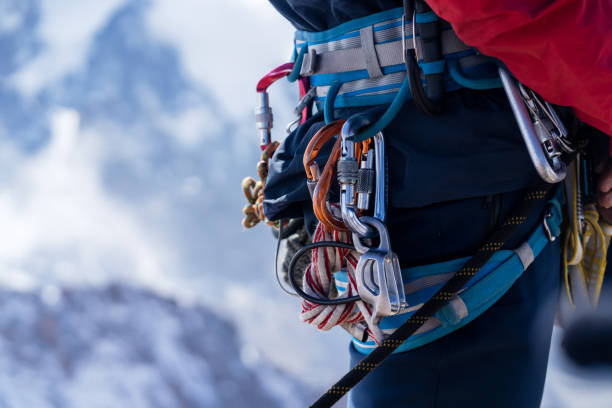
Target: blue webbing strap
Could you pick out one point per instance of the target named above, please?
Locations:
(486, 288)
(328, 108)
(391, 112)
(480, 84)
(373, 95)
(295, 73)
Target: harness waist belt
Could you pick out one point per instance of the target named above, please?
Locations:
(478, 295)
(365, 58)
(386, 54)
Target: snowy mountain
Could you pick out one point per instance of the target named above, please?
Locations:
(124, 347)
(116, 165)
(125, 131)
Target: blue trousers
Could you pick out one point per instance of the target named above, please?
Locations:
(499, 359)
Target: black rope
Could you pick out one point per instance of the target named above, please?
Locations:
(279, 238)
(519, 215)
(295, 285)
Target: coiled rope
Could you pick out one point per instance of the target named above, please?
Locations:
(318, 282)
(253, 191)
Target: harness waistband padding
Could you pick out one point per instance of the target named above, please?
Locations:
(388, 83)
(363, 59)
(356, 58)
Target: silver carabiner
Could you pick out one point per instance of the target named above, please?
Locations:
(291, 126)
(379, 277)
(264, 119)
(302, 103)
(541, 145)
(380, 200)
(551, 125)
(348, 172)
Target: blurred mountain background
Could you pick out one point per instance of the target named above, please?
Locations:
(126, 127)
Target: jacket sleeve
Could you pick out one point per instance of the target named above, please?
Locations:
(560, 48)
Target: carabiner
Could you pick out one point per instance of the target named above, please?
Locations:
(323, 184)
(541, 145)
(264, 119)
(348, 173)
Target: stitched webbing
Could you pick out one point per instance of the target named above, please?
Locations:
(355, 59)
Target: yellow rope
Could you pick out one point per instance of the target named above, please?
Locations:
(584, 252)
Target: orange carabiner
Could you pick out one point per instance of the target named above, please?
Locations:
(319, 199)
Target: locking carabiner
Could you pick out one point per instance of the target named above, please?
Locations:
(320, 187)
(264, 119)
(348, 173)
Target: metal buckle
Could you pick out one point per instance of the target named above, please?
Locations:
(312, 62)
(547, 215)
(302, 103)
(404, 42)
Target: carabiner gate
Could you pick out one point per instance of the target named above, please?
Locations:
(542, 130)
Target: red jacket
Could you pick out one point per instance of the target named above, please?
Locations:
(560, 48)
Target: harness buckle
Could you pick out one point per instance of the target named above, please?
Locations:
(302, 103)
(548, 214)
(311, 63)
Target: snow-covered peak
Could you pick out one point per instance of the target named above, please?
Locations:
(123, 347)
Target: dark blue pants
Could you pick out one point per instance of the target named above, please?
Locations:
(498, 360)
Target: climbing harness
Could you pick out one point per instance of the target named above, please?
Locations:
(354, 279)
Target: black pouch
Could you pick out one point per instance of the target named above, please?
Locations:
(594, 148)
(286, 193)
